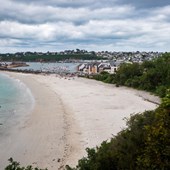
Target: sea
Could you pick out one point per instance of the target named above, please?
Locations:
(16, 102)
(56, 67)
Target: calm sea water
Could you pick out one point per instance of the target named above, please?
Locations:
(58, 67)
(16, 101)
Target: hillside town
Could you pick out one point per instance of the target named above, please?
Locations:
(98, 61)
(125, 56)
(112, 60)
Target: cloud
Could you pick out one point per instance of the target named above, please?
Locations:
(145, 3)
(52, 25)
(69, 3)
(97, 3)
(39, 14)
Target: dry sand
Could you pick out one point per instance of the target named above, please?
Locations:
(70, 114)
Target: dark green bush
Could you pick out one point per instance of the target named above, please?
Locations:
(16, 166)
(143, 145)
(152, 76)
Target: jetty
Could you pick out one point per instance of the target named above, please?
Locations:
(17, 64)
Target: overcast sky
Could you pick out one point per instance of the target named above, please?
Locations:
(113, 25)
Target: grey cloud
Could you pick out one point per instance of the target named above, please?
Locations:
(69, 3)
(40, 14)
(145, 3)
(91, 25)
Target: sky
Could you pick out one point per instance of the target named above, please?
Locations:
(93, 25)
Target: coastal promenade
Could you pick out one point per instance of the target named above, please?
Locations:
(70, 114)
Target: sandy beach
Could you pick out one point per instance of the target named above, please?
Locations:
(70, 114)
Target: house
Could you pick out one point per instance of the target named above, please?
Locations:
(97, 67)
(88, 68)
(83, 68)
(104, 67)
(80, 67)
(93, 68)
(113, 67)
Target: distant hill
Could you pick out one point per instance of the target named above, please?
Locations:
(45, 57)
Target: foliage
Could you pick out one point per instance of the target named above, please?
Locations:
(143, 145)
(48, 57)
(16, 166)
(156, 153)
(166, 100)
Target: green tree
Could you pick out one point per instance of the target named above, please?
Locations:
(143, 145)
(156, 151)
(152, 76)
(16, 166)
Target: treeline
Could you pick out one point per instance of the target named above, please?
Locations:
(152, 76)
(48, 57)
(143, 145)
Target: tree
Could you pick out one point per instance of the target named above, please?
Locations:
(16, 166)
(152, 76)
(156, 151)
(143, 145)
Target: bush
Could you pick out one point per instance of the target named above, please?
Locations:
(16, 166)
(161, 91)
(143, 145)
(152, 76)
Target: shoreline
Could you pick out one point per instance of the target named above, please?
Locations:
(71, 114)
(32, 142)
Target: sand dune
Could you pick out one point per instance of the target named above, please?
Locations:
(69, 115)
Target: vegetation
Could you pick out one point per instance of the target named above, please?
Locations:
(152, 76)
(31, 57)
(143, 145)
(16, 166)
